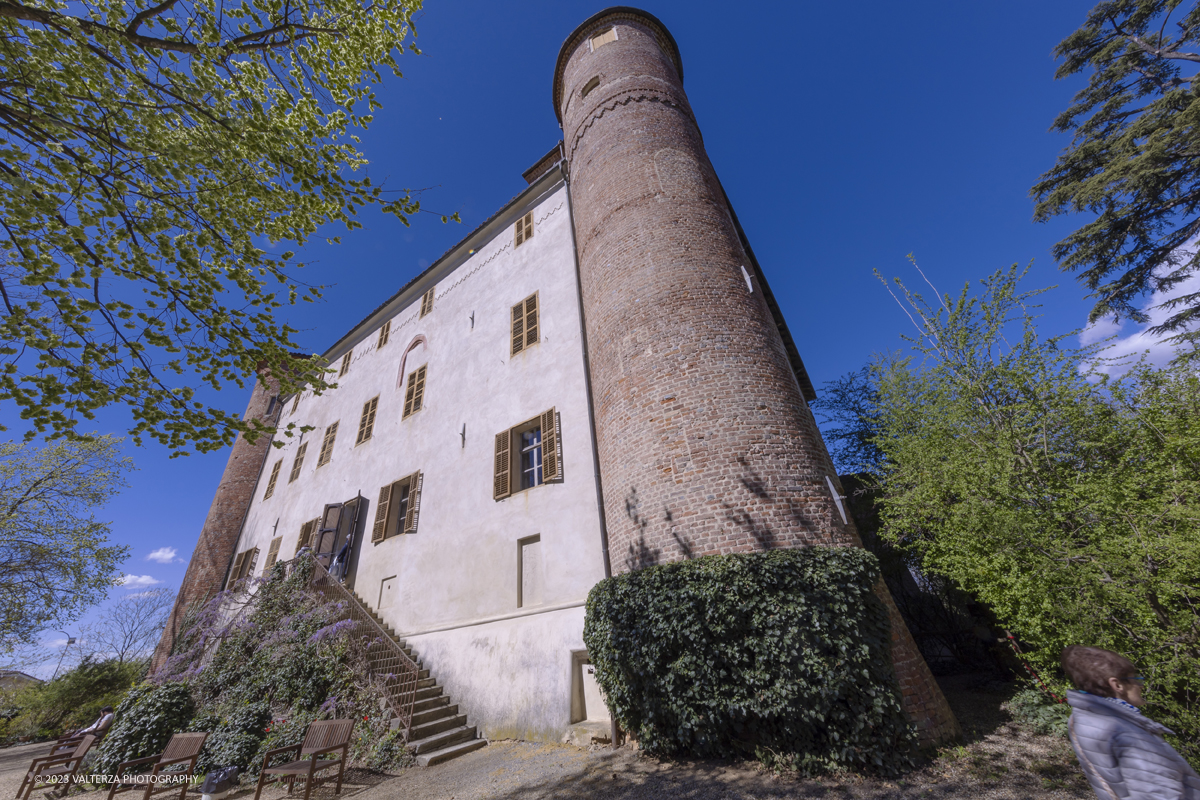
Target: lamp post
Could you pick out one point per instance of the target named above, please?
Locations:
(70, 641)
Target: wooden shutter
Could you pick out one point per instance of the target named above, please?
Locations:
(248, 563)
(518, 328)
(366, 425)
(345, 364)
(381, 514)
(519, 233)
(427, 302)
(531, 319)
(273, 479)
(296, 403)
(549, 446)
(327, 445)
(384, 333)
(502, 485)
(298, 463)
(408, 395)
(414, 502)
(273, 553)
(302, 540)
(419, 392)
(236, 572)
(314, 532)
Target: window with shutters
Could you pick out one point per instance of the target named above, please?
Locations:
(296, 402)
(307, 531)
(524, 230)
(398, 508)
(327, 445)
(414, 395)
(427, 302)
(366, 423)
(524, 324)
(243, 565)
(272, 554)
(298, 463)
(527, 455)
(271, 481)
(601, 39)
(345, 364)
(384, 333)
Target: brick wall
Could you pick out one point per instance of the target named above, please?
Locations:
(210, 560)
(706, 443)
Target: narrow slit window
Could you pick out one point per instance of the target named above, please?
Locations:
(345, 364)
(524, 230)
(427, 302)
(327, 445)
(384, 333)
(524, 324)
(298, 463)
(366, 425)
(274, 477)
(414, 396)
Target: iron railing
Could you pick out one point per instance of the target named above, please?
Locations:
(392, 669)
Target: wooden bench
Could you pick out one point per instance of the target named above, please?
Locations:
(183, 749)
(322, 738)
(56, 768)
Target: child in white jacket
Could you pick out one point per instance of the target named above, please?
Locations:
(1122, 752)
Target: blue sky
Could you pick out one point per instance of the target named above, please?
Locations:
(846, 135)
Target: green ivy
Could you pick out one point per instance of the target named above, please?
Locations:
(783, 654)
(144, 723)
(1033, 709)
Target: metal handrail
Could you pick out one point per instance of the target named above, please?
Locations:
(398, 674)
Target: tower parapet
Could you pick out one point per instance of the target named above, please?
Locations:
(705, 439)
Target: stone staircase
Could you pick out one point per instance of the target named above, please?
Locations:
(439, 732)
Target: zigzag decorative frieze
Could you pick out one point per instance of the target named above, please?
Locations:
(648, 96)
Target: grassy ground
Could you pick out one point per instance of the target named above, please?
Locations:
(997, 761)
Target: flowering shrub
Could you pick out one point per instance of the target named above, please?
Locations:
(263, 663)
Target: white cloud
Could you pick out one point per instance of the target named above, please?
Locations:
(164, 555)
(1133, 340)
(137, 581)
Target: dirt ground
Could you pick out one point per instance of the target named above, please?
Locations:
(997, 761)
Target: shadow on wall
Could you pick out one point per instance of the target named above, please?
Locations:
(641, 554)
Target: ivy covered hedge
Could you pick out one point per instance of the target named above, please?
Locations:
(783, 654)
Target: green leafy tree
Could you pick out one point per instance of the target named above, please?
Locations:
(1066, 502)
(1132, 162)
(55, 559)
(155, 160)
(73, 700)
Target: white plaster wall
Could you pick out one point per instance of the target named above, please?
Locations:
(461, 564)
(512, 678)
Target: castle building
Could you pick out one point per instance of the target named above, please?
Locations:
(595, 380)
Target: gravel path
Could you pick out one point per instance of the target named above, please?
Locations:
(999, 761)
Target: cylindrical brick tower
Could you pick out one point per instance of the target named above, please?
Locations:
(218, 538)
(705, 440)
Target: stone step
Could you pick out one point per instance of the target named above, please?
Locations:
(438, 712)
(447, 753)
(428, 705)
(425, 683)
(441, 739)
(425, 694)
(437, 726)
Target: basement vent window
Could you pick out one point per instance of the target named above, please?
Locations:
(601, 39)
(587, 87)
